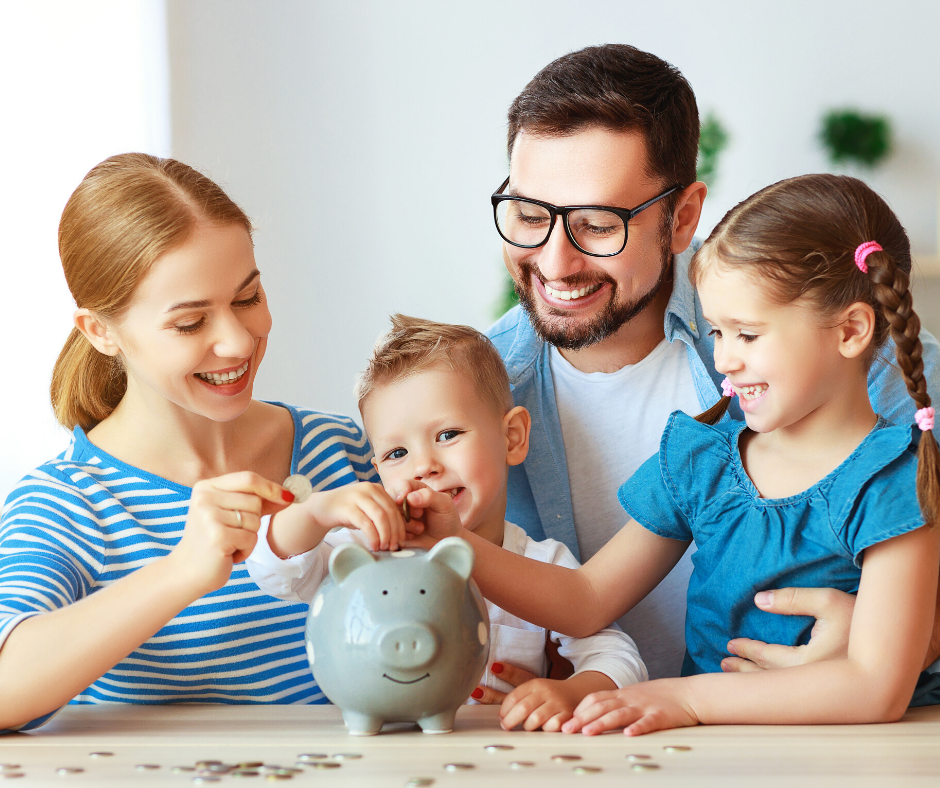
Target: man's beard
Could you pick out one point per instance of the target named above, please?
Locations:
(552, 327)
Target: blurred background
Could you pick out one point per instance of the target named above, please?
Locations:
(365, 137)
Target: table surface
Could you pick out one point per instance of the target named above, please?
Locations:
(163, 737)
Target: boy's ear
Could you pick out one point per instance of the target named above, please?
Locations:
(96, 331)
(516, 426)
(856, 328)
(375, 464)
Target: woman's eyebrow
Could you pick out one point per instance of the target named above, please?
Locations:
(204, 303)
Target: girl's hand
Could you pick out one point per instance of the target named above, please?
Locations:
(433, 517)
(222, 527)
(365, 507)
(638, 709)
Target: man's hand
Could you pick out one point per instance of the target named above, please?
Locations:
(829, 638)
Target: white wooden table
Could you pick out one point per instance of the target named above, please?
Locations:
(906, 753)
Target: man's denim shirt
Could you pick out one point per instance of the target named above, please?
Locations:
(539, 494)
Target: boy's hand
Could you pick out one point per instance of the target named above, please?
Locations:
(540, 703)
(433, 516)
(363, 506)
(638, 709)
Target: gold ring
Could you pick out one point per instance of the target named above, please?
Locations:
(238, 512)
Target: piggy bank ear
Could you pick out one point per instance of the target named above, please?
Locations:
(455, 553)
(347, 558)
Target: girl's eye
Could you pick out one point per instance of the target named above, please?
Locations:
(190, 328)
(255, 299)
(448, 435)
(396, 454)
(747, 337)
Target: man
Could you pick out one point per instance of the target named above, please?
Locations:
(610, 338)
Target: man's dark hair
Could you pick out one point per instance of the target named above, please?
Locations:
(616, 87)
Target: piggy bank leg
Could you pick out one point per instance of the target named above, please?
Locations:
(360, 724)
(439, 723)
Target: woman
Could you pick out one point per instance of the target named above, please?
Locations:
(120, 574)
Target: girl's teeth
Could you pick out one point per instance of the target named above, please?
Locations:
(221, 378)
(571, 295)
(753, 392)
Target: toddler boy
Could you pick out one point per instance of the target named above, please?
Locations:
(436, 406)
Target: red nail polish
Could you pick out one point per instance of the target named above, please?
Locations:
(477, 694)
(287, 495)
(497, 667)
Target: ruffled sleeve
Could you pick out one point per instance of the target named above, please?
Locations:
(670, 489)
(877, 499)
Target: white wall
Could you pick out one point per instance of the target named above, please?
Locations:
(366, 137)
(79, 82)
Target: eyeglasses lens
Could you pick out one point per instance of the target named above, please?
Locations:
(528, 224)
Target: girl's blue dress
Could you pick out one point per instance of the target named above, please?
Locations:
(697, 489)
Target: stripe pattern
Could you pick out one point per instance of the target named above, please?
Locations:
(85, 520)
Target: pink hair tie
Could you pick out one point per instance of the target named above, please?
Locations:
(863, 251)
(726, 388)
(924, 419)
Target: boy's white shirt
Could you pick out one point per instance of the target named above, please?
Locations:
(512, 640)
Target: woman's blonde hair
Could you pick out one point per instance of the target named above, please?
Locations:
(128, 211)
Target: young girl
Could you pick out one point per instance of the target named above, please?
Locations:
(801, 284)
(119, 560)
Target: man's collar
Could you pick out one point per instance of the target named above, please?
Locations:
(680, 311)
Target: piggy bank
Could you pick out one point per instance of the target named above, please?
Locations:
(398, 637)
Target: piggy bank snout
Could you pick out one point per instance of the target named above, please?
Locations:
(407, 645)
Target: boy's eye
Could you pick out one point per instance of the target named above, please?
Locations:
(448, 435)
(396, 454)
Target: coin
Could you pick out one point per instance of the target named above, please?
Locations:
(676, 748)
(145, 767)
(638, 757)
(498, 747)
(324, 765)
(300, 486)
(563, 758)
(459, 767)
(101, 754)
(11, 775)
(645, 767)
(406, 510)
(306, 757)
(346, 756)
(63, 770)
(587, 769)
(419, 782)
(521, 764)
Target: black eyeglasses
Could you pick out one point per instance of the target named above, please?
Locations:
(596, 230)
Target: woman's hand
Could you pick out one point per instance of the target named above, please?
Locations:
(222, 527)
(638, 709)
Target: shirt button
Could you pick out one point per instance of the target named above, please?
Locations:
(693, 326)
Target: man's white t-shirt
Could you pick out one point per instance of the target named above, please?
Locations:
(611, 423)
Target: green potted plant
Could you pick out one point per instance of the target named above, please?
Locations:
(851, 137)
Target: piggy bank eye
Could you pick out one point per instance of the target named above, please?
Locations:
(422, 591)
(385, 593)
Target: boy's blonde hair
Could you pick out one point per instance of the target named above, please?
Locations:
(414, 345)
